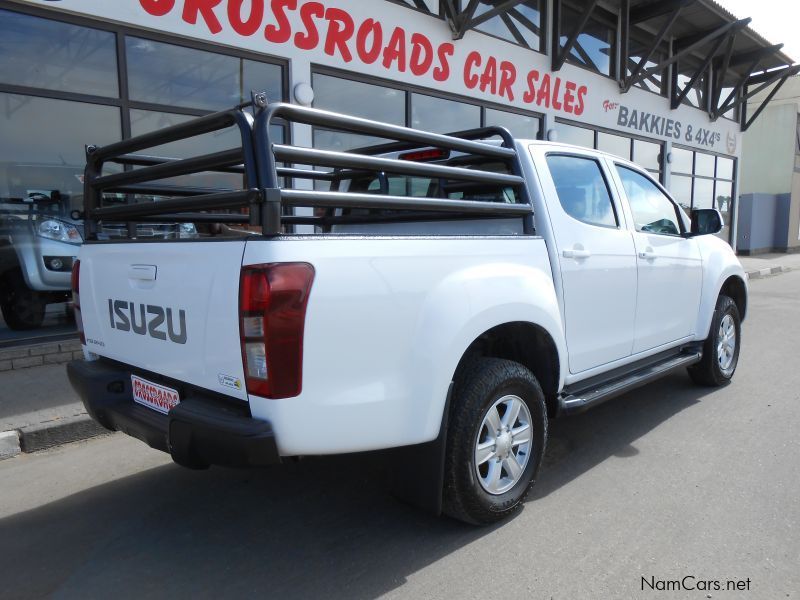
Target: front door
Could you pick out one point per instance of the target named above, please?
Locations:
(669, 265)
(597, 261)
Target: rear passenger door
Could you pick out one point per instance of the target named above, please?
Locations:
(597, 260)
(669, 265)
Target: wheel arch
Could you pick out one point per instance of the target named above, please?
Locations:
(729, 280)
(735, 288)
(526, 343)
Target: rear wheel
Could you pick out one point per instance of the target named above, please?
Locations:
(721, 348)
(22, 307)
(495, 442)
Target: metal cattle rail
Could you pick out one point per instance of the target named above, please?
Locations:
(258, 160)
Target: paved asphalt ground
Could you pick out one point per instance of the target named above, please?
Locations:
(665, 482)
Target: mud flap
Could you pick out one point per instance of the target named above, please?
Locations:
(417, 472)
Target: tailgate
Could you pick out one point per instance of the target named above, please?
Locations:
(170, 308)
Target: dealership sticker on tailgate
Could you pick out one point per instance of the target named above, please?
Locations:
(154, 396)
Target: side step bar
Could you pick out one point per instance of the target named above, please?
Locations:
(583, 400)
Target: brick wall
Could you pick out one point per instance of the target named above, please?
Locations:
(51, 353)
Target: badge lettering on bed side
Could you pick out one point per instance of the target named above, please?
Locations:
(147, 319)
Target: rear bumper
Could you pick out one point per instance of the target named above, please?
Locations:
(199, 432)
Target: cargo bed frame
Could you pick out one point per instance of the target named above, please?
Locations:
(258, 160)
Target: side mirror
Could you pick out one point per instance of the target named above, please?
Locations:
(706, 221)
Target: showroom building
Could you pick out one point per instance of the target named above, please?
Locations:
(664, 83)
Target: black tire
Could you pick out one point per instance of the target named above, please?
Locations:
(22, 307)
(709, 372)
(476, 391)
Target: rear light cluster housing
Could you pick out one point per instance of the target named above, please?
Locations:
(75, 282)
(272, 311)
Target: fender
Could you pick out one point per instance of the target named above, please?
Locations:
(719, 263)
(465, 305)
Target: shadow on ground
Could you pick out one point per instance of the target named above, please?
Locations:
(324, 527)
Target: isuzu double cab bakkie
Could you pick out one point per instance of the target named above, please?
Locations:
(439, 295)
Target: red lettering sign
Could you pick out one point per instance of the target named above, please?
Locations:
(309, 25)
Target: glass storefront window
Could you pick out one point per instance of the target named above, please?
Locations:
(704, 164)
(160, 73)
(145, 121)
(682, 161)
(614, 144)
(724, 168)
(42, 147)
(578, 136)
(681, 190)
(706, 182)
(36, 52)
(42, 139)
(443, 116)
(521, 126)
(647, 155)
(723, 197)
(42, 157)
(703, 196)
(365, 100)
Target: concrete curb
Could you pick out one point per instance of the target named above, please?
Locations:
(9, 444)
(38, 354)
(766, 272)
(41, 436)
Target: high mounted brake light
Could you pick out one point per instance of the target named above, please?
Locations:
(272, 313)
(75, 282)
(425, 155)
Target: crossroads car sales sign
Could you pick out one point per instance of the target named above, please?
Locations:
(392, 42)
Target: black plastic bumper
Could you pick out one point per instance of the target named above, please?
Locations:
(198, 432)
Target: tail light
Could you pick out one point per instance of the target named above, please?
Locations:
(272, 313)
(76, 299)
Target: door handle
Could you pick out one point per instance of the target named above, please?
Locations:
(142, 272)
(648, 255)
(576, 253)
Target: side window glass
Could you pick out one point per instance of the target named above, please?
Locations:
(582, 189)
(653, 211)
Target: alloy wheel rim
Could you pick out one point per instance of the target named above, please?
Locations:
(726, 343)
(503, 445)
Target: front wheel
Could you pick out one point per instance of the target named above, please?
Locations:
(22, 307)
(721, 348)
(496, 440)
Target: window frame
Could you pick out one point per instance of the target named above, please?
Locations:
(597, 160)
(121, 31)
(409, 89)
(679, 214)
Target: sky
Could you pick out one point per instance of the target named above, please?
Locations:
(776, 20)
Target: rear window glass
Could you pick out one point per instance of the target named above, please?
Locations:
(582, 189)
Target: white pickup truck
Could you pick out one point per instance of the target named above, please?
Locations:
(445, 297)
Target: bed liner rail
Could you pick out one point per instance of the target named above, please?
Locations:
(264, 192)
